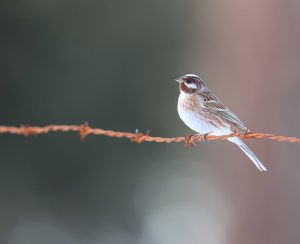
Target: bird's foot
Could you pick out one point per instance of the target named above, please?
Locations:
(201, 137)
(188, 141)
(192, 140)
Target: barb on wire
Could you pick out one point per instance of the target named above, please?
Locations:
(85, 130)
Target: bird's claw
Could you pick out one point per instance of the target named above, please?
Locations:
(192, 140)
(188, 141)
(201, 137)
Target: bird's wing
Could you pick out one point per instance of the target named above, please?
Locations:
(213, 104)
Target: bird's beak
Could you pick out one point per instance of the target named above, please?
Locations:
(178, 80)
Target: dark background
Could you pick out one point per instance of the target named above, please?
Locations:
(113, 64)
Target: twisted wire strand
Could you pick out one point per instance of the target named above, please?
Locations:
(137, 137)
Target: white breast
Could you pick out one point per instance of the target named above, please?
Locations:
(194, 121)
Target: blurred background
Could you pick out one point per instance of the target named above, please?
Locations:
(113, 64)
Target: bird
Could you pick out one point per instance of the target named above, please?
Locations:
(205, 114)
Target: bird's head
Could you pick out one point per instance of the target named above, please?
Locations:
(191, 84)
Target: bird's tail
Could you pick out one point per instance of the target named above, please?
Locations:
(248, 152)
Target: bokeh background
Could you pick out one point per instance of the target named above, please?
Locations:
(113, 64)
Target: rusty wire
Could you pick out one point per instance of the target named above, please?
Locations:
(137, 137)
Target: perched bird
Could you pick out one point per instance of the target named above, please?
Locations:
(204, 113)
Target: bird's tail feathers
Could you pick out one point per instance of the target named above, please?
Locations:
(248, 152)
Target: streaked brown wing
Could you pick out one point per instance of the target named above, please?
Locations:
(213, 104)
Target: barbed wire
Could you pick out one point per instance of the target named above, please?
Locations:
(85, 130)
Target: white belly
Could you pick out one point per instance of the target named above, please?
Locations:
(196, 123)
